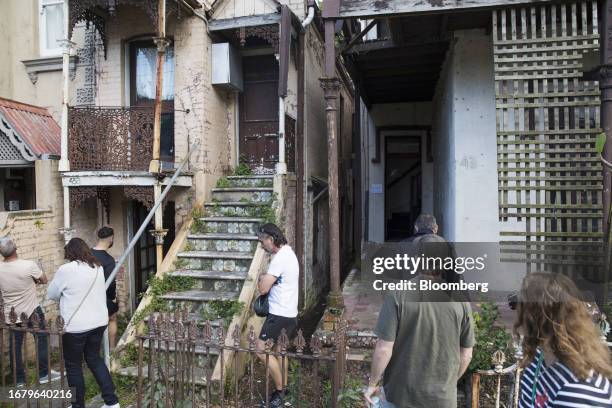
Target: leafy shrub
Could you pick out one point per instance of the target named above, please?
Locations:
(489, 338)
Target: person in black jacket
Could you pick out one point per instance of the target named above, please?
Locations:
(106, 237)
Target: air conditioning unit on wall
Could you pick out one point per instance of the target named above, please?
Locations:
(226, 67)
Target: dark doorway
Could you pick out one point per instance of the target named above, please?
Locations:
(143, 64)
(402, 185)
(258, 140)
(145, 259)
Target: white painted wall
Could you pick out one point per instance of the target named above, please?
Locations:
(385, 115)
(465, 150)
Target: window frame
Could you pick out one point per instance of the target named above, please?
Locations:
(42, 28)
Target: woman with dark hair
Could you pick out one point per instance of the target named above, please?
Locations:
(79, 287)
(566, 363)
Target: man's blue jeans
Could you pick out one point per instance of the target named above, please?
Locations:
(39, 338)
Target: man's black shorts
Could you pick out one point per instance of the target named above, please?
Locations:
(273, 325)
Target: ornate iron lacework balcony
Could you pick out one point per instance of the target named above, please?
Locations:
(110, 138)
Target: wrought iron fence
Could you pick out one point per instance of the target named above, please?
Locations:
(176, 360)
(504, 378)
(46, 350)
(110, 138)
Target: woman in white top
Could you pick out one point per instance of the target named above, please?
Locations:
(79, 287)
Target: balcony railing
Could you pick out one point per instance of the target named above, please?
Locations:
(105, 138)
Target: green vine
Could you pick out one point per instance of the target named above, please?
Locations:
(242, 170)
(157, 288)
(223, 182)
(222, 309)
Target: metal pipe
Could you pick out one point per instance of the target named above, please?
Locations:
(136, 237)
(281, 166)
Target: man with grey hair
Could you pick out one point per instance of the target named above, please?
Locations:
(425, 224)
(18, 280)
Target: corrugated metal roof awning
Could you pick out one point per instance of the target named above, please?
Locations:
(30, 128)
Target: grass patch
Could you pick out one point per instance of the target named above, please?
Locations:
(125, 387)
(157, 288)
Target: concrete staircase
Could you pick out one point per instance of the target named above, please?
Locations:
(218, 252)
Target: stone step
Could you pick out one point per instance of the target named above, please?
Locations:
(214, 280)
(199, 274)
(196, 300)
(234, 209)
(253, 194)
(199, 295)
(223, 242)
(228, 225)
(250, 181)
(194, 318)
(199, 349)
(216, 260)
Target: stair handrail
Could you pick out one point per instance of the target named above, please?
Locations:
(136, 236)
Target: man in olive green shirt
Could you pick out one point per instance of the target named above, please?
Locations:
(425, 341)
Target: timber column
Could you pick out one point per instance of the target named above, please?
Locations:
(331, 86)
(162, 43)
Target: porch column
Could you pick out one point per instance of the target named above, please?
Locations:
(162, 43)
(331, 86)
(64, 164)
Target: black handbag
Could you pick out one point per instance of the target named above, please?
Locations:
(261, 306)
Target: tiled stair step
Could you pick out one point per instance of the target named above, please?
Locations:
(199, 295)
(216, 260)
(199, 274)
(249, 181)
(214, 280)
(231, 225)
(214, 235)
(223, 242)
(215, 255)
(196, 300)
(255, 194)
(231, 208)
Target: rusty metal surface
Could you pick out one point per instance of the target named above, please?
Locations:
(167, 353)
(10, 323)
(269, 33)
(34, 125)
(290, 143)
(110, 138)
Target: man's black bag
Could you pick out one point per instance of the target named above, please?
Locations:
(261, 306)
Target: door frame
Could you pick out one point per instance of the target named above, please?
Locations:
(410, 134)
(255, 52)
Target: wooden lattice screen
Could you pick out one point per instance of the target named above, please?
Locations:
(548, 117)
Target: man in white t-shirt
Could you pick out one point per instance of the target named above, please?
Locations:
(281, 283)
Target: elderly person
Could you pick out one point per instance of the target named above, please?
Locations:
(18, 280)
(79, 287)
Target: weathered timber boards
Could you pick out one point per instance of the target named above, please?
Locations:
(547, 117)
(367, 8)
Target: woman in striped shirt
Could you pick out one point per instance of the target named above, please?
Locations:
(565, 362)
